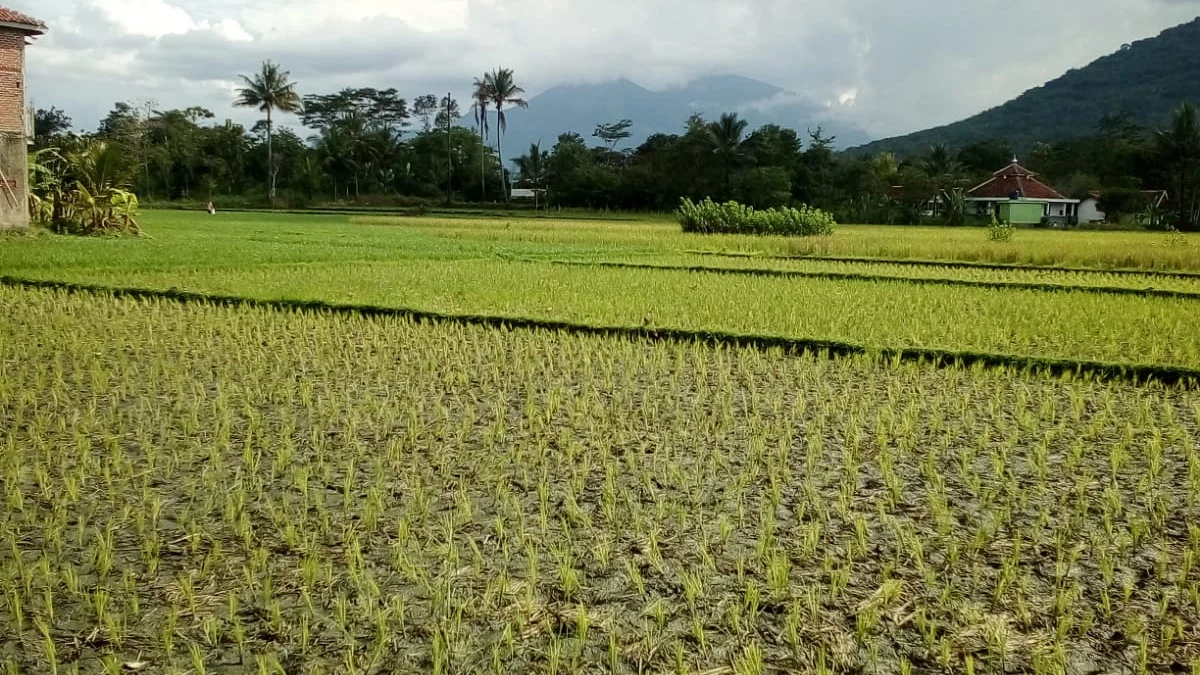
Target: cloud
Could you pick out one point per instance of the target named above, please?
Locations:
(890, 67)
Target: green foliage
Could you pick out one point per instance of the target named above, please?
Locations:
(766, 187)
(1119, 203)
(1179, 150)
(1000, 231)
(1175, 239)
(1148, 80)
(269, 90)
(613, 133)
(501, 89)
(956, 206)
(84, 190)
(709, 217)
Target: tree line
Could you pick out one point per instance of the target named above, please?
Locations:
(371, 144)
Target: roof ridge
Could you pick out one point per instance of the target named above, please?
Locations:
(11, 16)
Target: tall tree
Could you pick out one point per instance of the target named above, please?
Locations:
(447, 113)
(773, 145)
(726, 138)
(532, 166)
(50, 122)
(1179, 151)
(379, 109)
(981, 158)
(504, 91)
(613, 133)
(942, 166)
(425, 107)
(482, 100)
(269, 90)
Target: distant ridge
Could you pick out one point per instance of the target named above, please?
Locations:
(1148, 78)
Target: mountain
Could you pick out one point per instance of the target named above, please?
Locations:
(1148, 78)
(579, 108)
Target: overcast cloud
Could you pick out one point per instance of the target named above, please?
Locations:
(891, 67)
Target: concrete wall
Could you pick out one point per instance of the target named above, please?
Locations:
(1089, 211)
(14, 149)
(14, 193)
(1019, 212)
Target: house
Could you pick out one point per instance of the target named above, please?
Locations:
(16, 30)
(1015, 195)
(1090, 212)
(536, 194)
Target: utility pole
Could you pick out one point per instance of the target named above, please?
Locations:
(449, 160)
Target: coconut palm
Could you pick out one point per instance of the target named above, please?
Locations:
(503, 90)
(942, 166)
(532, 166)
(483, 98)
(269, 90)
(726, 137)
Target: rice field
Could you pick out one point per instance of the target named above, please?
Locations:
(195, 488)
(515, 269)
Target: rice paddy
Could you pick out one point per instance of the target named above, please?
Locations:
(194, 488)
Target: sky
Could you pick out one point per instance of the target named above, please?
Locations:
(889, 66)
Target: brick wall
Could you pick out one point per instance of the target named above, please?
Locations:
(14, 209)
(12, 81)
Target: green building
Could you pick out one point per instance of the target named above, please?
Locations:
(1015, 195)
(1021, 212)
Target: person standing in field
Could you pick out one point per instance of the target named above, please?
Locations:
(212, 210)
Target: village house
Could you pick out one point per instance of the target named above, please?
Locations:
(1155, 201)
(16, 125)
(1015, 195)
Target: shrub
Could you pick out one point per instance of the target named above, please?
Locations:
(84, 191)
(1000, 231)
(709, 217)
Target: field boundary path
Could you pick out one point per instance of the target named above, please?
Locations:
(1098, 370)
(954, 264)
(851, 276)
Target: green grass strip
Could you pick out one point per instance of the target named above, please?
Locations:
(1097, 370)
(851, 276)
(956, 264)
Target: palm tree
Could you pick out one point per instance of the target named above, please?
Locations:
(483, 98)
(944, 169)
(269, 90)
(503, 89)
(1179, 151)
(942, 166)
(532, 166)
(725, 136)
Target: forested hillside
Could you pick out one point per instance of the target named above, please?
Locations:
(1147, 79)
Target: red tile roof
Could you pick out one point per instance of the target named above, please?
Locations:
(13, 17)
(1014, 179)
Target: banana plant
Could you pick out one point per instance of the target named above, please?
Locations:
(84, 191)
(45, 184)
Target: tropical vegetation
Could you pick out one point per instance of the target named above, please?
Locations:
(268, 91)
(708, 217)
(369, 146)
(83, 189)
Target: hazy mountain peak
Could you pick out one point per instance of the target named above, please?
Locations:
(580, 107)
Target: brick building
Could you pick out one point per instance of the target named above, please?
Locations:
(16, 30)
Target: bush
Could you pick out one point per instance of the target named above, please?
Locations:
(709, 217)
(83, 191)
(1000, 231)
